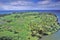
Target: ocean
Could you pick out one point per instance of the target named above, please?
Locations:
(10, 11)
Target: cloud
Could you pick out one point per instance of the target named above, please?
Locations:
(22, 3)
(9, 7)
(44, 2)
(29, 5)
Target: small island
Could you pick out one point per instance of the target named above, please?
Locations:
(27, 25)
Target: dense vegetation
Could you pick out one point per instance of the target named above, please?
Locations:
(27, 26)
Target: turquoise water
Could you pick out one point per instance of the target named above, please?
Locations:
(55, 36)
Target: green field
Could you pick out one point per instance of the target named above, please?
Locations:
(28, 25)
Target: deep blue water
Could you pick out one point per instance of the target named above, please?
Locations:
(4, 11)
(55, 36)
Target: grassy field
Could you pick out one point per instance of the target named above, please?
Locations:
(27, 26)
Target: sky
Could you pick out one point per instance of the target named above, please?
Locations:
(29, 4)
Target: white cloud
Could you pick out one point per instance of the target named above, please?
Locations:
(22, 3)
(9, 7)
(27, 8)
(28, 5)
(44, 2)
